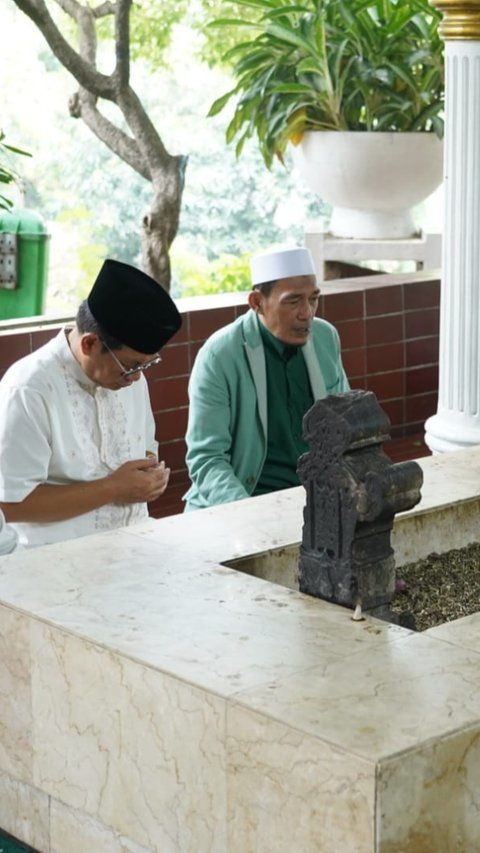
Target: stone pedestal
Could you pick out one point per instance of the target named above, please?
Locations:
(423, 249)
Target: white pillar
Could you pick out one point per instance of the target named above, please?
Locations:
(457, 421)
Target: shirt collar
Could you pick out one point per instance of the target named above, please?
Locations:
(285, 351)
(71, 364)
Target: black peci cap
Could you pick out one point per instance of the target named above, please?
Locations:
(133, 308)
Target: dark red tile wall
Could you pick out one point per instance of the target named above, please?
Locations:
(338, 307)
(388, 325)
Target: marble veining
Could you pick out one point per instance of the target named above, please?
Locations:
(464, 632)
(289, 791)
(25, 812)
(389, 698)
(122, 742)
(77, 832)
(16, 754)
(428, 800)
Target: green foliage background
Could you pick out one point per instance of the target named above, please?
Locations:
(8, 172)
(93, 203)
(331, 65)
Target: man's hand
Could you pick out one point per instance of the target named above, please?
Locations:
(139, 481)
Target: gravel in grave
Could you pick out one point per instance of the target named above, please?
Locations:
(440, 588)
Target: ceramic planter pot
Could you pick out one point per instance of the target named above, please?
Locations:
(372, 180)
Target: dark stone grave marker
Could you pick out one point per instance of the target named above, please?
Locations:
(353, 492)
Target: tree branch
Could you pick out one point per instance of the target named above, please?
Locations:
(83, 105)
(104, 9)
(122, 43)
(101, 85)
(143, 130)
(143, 150)
(70, 7)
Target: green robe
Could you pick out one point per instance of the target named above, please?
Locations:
(228, 418)
(289, 396)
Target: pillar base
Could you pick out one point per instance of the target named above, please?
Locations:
(442, 436)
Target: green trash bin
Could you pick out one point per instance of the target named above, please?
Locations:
(23, 263)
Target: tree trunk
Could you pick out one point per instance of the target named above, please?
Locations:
(141, 146)
(160, 223)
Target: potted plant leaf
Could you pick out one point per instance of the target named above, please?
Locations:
(334, 77)
(7, 173)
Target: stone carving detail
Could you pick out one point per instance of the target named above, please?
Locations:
(353, 492)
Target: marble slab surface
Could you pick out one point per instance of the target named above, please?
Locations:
(217, 628)
(464, 632)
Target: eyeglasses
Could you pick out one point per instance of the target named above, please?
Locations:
(129, 371)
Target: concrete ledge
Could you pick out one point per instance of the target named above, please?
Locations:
(447, 515)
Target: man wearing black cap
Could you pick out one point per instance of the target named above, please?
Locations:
(75, 456)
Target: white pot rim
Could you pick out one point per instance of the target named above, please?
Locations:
(427, 133)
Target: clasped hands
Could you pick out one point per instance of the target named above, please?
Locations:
(139, 480)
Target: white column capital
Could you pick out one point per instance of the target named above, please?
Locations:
(461, 18)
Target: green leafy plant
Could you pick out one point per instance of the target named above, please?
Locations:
(332, 65)
(7, 174)
(195, 275)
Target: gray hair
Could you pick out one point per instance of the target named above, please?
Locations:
(86, 323)
(265, 287)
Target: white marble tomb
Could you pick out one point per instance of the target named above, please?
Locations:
(152, 699)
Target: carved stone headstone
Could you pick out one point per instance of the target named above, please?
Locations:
(353, 492)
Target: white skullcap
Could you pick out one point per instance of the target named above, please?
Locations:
(281, 263)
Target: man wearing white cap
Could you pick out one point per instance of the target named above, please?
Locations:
(253, 381)
(77, 435)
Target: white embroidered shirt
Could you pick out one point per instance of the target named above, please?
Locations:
(58, 427)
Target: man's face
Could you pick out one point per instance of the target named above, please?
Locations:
(106, 367)
(289, 309)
